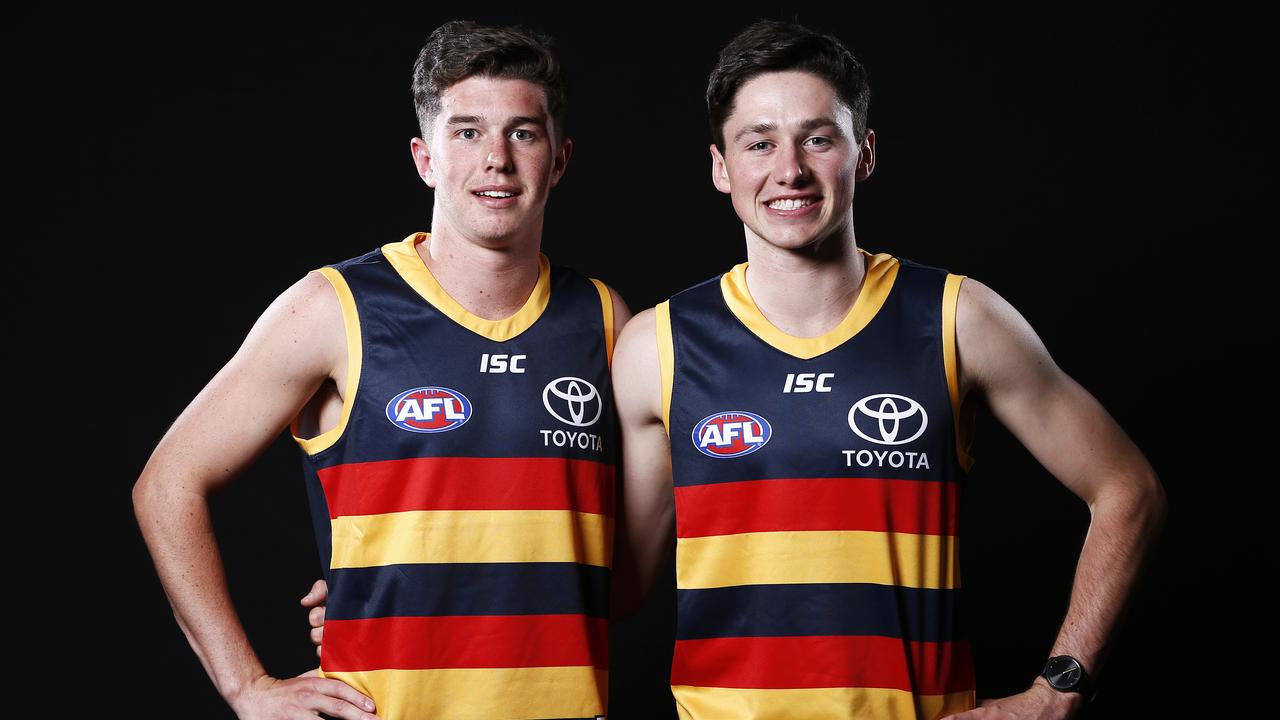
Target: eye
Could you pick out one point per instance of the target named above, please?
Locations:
(818, 141)
(759, 146)
(523, 135)
(469, 134)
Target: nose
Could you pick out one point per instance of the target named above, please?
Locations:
(789, 167)
(499, 156)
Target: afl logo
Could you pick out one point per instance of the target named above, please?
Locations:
(572, 401)
(429, 410)
(888, 419)
(731, 434)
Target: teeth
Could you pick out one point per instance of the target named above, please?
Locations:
(496, 194)
(790, 204)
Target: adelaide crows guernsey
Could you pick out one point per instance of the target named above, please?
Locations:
(464, 504)
(816, 496)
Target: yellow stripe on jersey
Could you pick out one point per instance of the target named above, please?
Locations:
(351, 327)
(819, 556)
(472, 536)
(470, 693)
(666, 359)
(881, 271)
(606, 306)
(712, 703)
(950, 302)
(404, 257)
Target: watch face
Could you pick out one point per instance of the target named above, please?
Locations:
(1062, 672)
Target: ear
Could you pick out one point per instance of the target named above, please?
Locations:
(867, 161)
(421, 153)
(719, 171)
(561, 161)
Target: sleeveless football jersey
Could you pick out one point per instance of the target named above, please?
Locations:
(464, 504)
(816, 492)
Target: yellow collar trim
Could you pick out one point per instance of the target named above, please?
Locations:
(882, 270)
(404, 257)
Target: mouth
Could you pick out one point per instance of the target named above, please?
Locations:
(793, 206)
(496, 196)
(496, 192)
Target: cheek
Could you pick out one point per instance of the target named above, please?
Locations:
(745, 181)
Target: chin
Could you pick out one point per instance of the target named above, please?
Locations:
(791, 240)
(498, 235)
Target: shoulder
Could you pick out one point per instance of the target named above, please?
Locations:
(995, 342)
(637, 372)
(302, 328)
(310, 302)
(638, 342)
(981, 313)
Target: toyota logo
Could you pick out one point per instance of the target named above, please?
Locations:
(882, 418)
(574, 398)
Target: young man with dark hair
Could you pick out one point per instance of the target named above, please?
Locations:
(813, 408)
(451, 396)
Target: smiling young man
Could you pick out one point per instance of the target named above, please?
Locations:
(450, 393)
(812, 407)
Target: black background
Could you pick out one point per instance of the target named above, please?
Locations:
(172, 171)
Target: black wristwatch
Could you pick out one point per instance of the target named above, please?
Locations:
(1066, 674)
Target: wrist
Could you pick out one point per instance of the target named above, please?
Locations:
(235, 691)
(1068, 702)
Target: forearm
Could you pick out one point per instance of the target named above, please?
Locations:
(176, 526)
(1124, 526)
(642, 543)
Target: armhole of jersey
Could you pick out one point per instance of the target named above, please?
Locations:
(606, 306)
(666, 359)
(351, 327)
(950, 303)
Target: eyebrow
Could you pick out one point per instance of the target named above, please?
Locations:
(819, 122)
(757, 129)
(464, 120)
(529, 120)
(807, 125)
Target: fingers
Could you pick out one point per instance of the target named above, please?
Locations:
(318, 593)
(303, 697)
(342, 701)
(317, 635)
(316, 617)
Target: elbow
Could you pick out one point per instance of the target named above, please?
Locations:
(150, 497)
(1146, 506)
(143, 497)
(1157, 504)
(1138, 503)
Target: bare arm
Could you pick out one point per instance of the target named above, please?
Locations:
(1004, 363)
(646, 519)
(294, 347)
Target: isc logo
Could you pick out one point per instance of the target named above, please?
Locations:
(501, 363)
(731, 434)
(807, 382)
(429, 409)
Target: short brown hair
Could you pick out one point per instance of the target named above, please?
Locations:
(773, 46)
(460, 49)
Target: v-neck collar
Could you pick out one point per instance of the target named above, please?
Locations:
(404, 257)
(881, 271)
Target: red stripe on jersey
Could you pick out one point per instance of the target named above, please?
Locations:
(465, 641)
(881, 505)
(823, 661)
(465, 483)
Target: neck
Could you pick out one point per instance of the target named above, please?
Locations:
(490, 282)
(808, 291)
